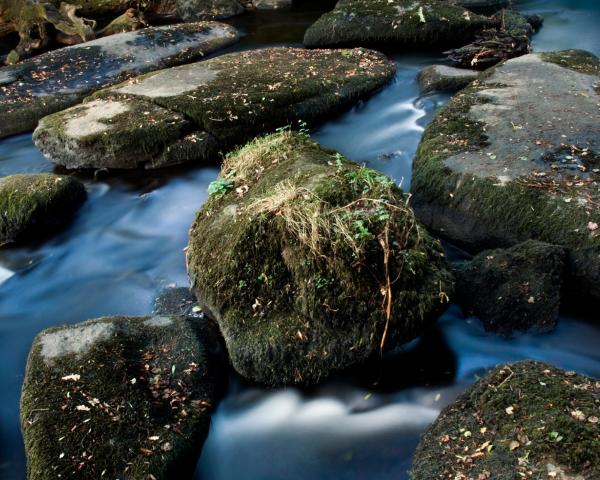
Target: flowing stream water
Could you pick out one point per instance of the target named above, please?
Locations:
(126, 244)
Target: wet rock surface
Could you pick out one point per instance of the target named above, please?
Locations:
(515, 157)
(399, 24)
(61, 78)
(443, 78)
(35, 205)
(310, 263)
(512, 290)
(193, 112)
(120, 397)
(526, 419)
(177, 301)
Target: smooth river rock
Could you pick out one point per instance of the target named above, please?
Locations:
(516, 156)
(62, 78)
(34, 205)
(121, 398)
(398, 24)
(522, 420)
(192, 112)
(311, 263)
(515, 289)
(443, 78)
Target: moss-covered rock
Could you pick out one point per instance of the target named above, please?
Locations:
(515, 156)
(516, 289)
(208, 9)
(310, 263)
(442, 78)
(62, 78)
(34, 205)
(524, 420)
(120, 398)
(482, 6)
(190, 113)
(400, 24)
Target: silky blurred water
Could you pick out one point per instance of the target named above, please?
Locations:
(127, 243)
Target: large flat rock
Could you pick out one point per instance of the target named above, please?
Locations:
(516, 156)
(61, 78)
(121, 397)
(192, 112)
(398, 24)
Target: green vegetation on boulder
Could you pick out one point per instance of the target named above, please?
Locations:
(401, 24)
(516, 156)
(311, 263)
(121, 398)
(516, 289)
(61, 78)
(524, 420)
(208, 9)
(192, 112)
(34, 205)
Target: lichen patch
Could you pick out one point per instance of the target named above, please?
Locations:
(91, 122)
(75, 340)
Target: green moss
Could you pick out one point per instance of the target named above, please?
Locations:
(33, 205)
(306, 231)
(578, 60)
(397, 23)
(519, 419)
(135, 403)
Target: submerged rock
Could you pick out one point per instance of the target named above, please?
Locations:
(517, 289)
(299, 253)
(59, 79)
(176, 301)
(33, 205)
(120, 398)
(272, 4)
(193, 112)
(442, 78)
(525, 420)
(395, 23)
(516, 156)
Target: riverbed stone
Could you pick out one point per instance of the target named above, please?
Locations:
(443, 78)
(121, 397)
(34, 205)
(522, 420)
(59, 79)
(177, 301)
(189, 10)
(193, 112)
(515, 289)
(289, 255)
(400, 24)
(482, 6)
(272, 4)
(515, 156)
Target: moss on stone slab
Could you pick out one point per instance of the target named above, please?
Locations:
(226, 100)
(120, 398)
(34, 205)
(523, 420)
(401, 24)
(289, 254)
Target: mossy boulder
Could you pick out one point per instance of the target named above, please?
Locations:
(310, 263)
(399, 24)
(61, 78)
(442, 78)
(34, 205)
(193, 112)
(120, 398)
(516, 156)
(208, 9)
(482, 6)
(523, 420)
(515, 289)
